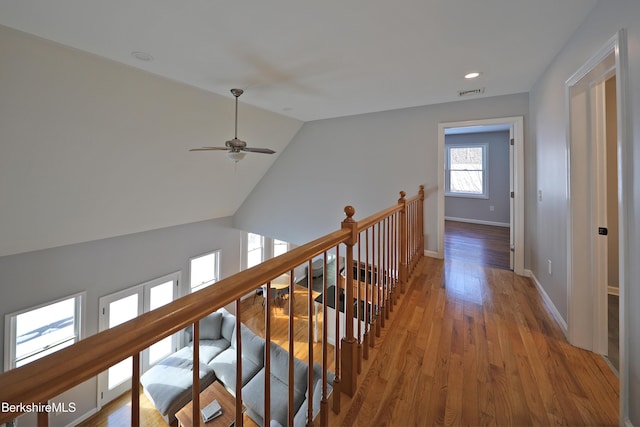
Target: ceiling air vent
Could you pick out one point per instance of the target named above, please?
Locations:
(471, 92)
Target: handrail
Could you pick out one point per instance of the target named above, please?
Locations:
(87, 358)
(46, 378)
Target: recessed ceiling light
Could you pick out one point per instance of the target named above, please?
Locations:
(142, 56)
(472, 75)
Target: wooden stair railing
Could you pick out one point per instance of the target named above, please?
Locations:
(386, 246)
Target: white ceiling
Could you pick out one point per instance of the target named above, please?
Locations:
(321, 59)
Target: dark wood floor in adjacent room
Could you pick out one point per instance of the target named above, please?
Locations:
(480, 244)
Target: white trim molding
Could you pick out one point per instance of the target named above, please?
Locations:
(477, 221)
(548, 303)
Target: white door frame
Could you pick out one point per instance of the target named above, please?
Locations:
(517, 130)
(585, 298)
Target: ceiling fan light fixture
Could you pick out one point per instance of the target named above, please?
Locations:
(236, 156)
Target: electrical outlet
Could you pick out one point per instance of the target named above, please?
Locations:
(549, 262)
(492, 208)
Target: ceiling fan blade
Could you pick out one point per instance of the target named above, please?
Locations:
(210, 149)
(258, 150)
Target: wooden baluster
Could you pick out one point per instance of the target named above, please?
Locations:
(337, 386)
(359, 308)
(387, 264)
(379, 281)
(367, 306)
(371, 318)
(42, 417)
(267, 356)
(195, 388)
(349, 350)
(135, 390)
(324, 404)
(239, 412)
(310, 342)
(292, 346)
(394, 263)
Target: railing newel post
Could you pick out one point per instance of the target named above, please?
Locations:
(403, 242)
(349, 349)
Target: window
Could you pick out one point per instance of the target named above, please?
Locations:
(204, 270)
(39, 331)
(255, 249)
(466, 170)
(279, 247)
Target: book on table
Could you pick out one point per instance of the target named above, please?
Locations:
(211, 411)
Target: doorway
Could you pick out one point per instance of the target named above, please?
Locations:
(596, 186)
(514, 125)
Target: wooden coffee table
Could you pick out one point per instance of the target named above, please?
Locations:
(215, 391)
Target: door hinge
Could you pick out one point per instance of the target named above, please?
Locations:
(513, 195)
(512, 141)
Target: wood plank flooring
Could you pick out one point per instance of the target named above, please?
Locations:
(477, 243)
(465, 345)
(473, 345)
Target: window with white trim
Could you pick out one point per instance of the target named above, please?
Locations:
(204, 270)
(466, 170)
(36, 332)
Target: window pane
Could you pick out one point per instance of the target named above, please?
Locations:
(123, 310)
(254, 241)
(254, 249)
(160, 295)
(119, 373)
(466, 182)
(204, 270)
(160, 349)
(465, 158)
(279, 247)
(44, 330)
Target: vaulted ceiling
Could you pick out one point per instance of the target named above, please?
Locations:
(91, 147)
(318, 59)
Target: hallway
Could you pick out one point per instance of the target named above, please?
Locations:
(473, 345)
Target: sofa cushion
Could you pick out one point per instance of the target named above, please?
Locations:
(210, 326)
(211, 348)
(169, 381)
(280, 368)
(253, 397)
(228, 324)
(252, 345)
(224, 367)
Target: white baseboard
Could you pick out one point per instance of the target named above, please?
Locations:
(613, 290)
(550, 305)
(432, 254)
(477, 221)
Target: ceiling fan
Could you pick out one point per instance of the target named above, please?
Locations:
(236, 149)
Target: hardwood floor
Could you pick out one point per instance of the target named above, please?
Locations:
(473, 345)
(476, 243)
(467, 345)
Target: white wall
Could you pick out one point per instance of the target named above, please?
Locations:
(363, 161)
(479, 209)
(548, 128)
(90, 148)
(105, 266)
